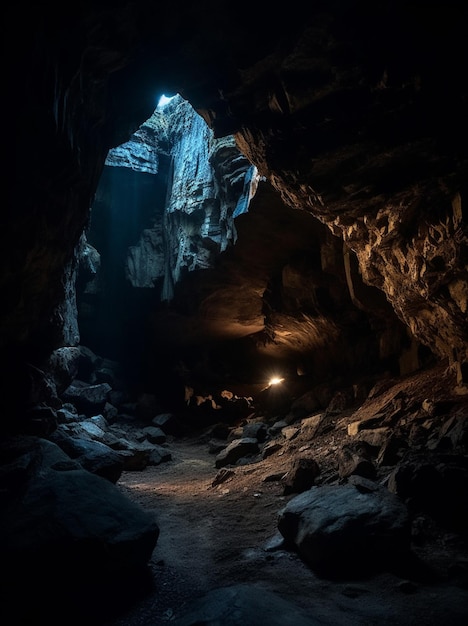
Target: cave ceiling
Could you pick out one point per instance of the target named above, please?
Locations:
(353, 112)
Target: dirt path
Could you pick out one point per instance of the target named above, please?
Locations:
(214, 535)
(211, 535)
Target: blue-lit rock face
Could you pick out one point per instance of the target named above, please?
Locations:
(207, 182)
(140, 153)
(210, 179)
(165, 206)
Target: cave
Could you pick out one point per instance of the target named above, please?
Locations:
(235, 327)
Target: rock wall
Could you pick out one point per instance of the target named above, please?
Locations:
(352, 111)
(366, 131)
(165, 206)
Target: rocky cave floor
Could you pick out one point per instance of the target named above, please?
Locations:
(218, 527)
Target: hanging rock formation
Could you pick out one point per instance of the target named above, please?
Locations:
(208, 181)
(165, 206)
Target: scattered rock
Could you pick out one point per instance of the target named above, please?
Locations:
(57, 517)
(153, 434)
(223, 475)
(88, 399)
(270, 448)
(236, 450)
(352, 460)
(301, 476)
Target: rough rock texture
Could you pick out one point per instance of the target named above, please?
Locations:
(56, 513)
(347, 530)
(165, 206)
(352, 112)
(372, 97)
(205, 186)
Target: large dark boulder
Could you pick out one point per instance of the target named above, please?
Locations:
(347, 530)
(58, 518)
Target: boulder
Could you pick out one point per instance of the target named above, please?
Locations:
(153, 434)
(168, 423)
(94, 456)
(236, 450)
(59, 516)
(346, 530)
(255, 430)
(301, 476)
(88, 399)
(355, 460)
(158, 455)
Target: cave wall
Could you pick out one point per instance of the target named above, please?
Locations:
(277, 302)
(353, 111)
(383, 153)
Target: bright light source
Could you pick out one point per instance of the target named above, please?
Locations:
(275, 381)
(163, 100)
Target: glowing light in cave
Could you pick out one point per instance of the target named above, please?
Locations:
(276, 380)
(163, 100)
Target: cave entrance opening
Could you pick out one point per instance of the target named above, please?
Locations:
(164, 208)
(164, 100)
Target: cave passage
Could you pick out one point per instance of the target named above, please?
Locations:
(297, 210)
